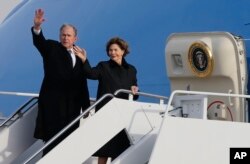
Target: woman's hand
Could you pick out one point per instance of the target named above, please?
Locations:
(134, 89)
(80, 52)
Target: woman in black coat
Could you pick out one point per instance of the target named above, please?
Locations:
(112, 75)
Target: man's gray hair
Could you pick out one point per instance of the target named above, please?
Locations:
(69, 25)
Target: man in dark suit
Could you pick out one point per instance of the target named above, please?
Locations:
(64, 89)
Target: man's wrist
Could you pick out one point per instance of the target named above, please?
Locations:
(36, 30)
(37, 27)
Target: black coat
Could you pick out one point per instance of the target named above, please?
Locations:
(112, 77)
(64, 88)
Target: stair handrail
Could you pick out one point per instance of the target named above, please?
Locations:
(19, 94)
(162, 98)
(68, 126)
(34, 97)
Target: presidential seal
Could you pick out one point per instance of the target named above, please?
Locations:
(200, 59)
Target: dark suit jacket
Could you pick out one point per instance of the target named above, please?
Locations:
(64, 88)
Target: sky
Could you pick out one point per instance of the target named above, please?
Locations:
(144, 24)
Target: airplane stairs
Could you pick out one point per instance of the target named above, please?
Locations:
(140, 120)
(16, 132)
